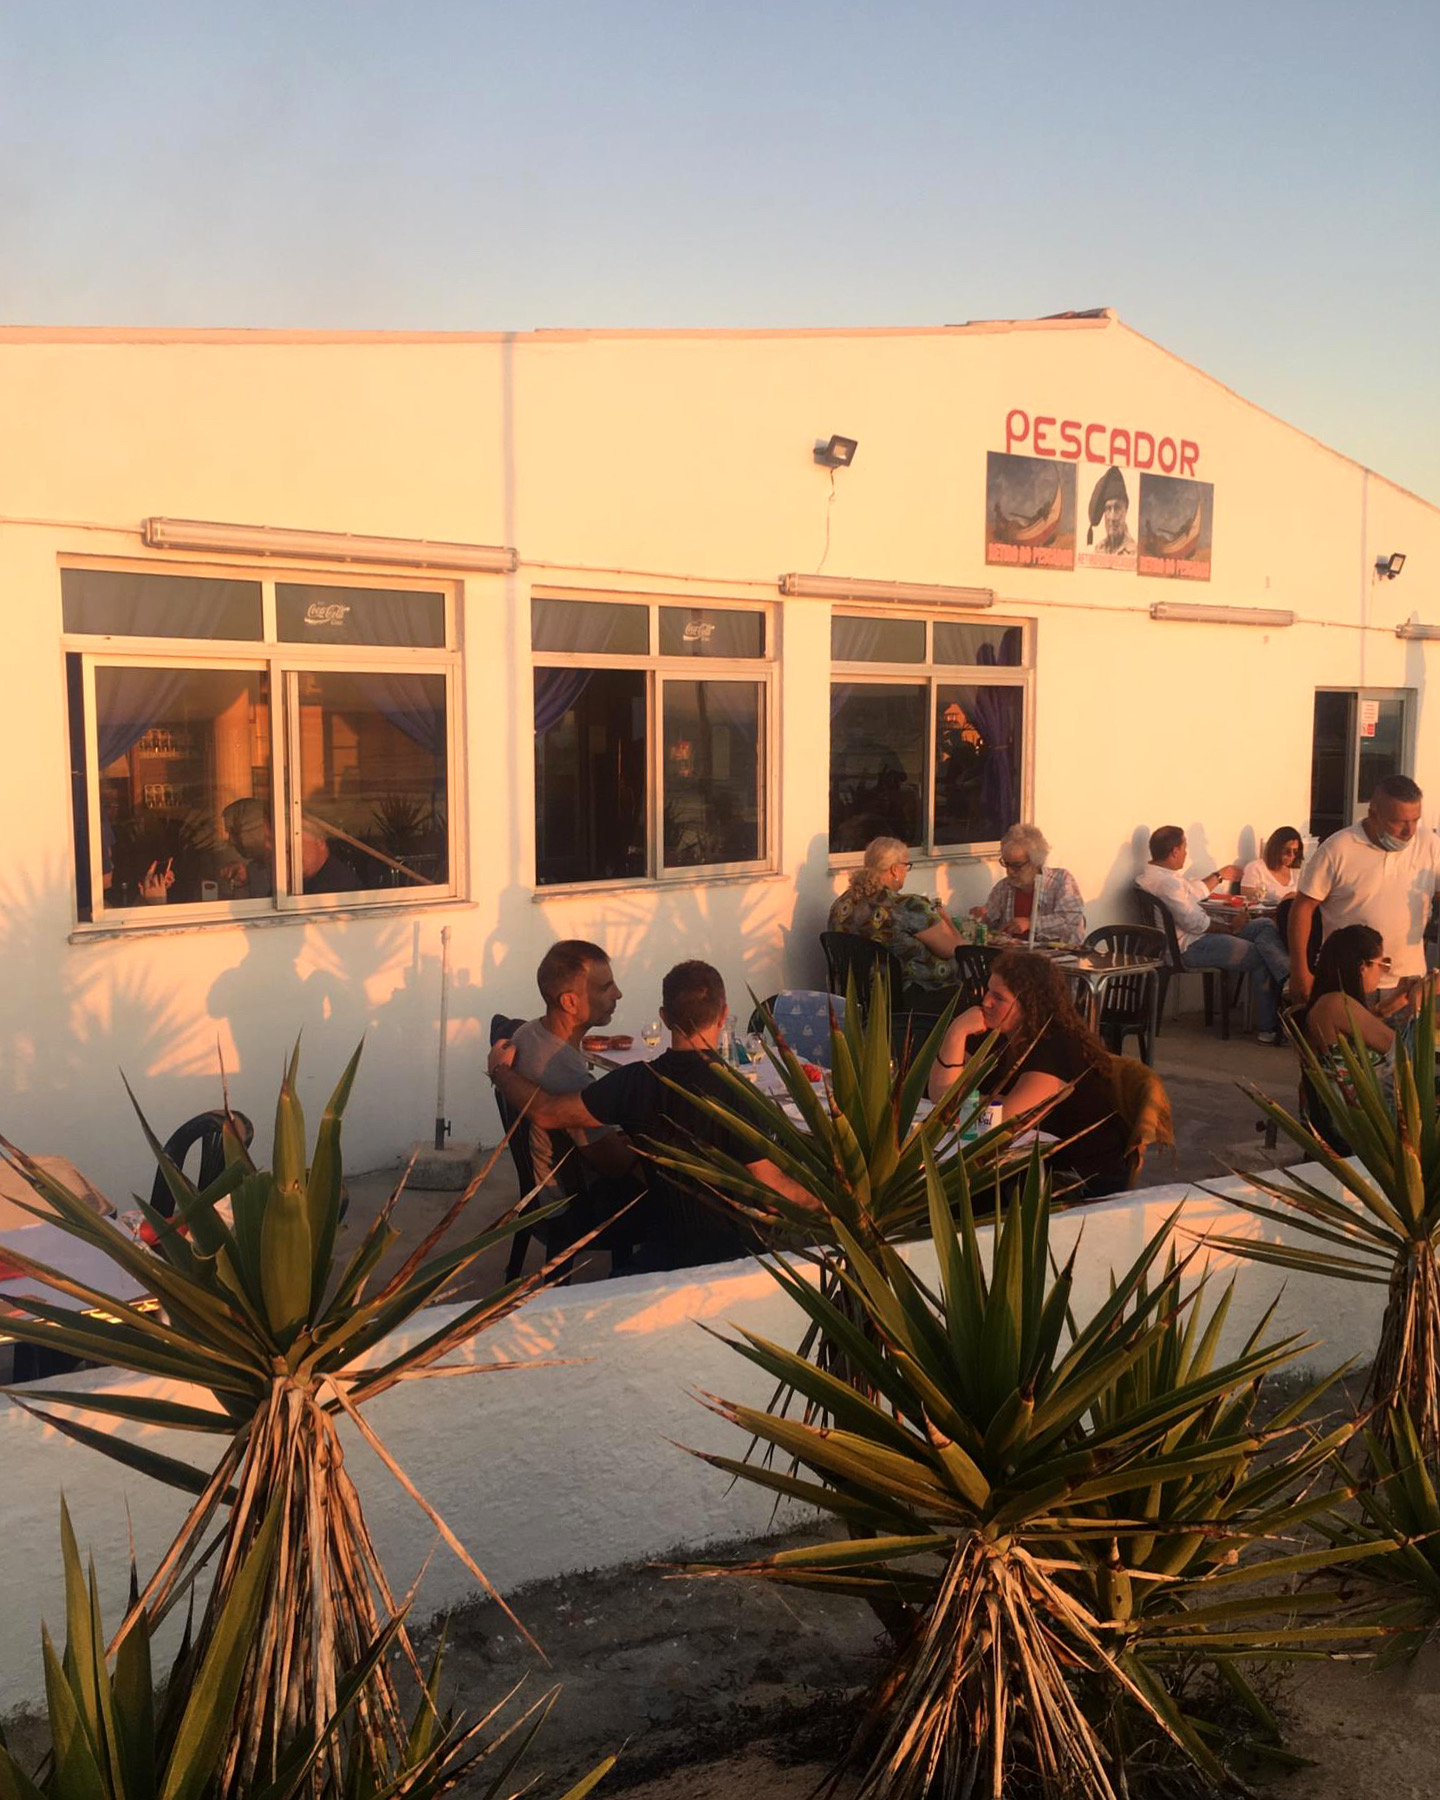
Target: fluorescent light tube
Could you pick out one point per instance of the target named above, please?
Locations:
(908, 593)
(1220, 615)
(1414, 629)
(326, 546)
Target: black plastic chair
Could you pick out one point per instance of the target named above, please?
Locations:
(972, 971)
(1129, 1004)
(206, 1129)
(849, 956)
(518, 1132)
(1214, 982)
(559, 1228)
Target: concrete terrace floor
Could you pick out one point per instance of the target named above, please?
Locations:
(1215, 1130)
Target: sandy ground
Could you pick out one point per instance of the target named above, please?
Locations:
(726, 1688)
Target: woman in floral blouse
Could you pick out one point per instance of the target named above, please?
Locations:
(1050, 896)
(915, 927)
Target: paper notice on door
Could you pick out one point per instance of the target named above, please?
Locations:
(1369, 717)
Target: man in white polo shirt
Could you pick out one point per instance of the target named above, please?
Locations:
(1383, 872)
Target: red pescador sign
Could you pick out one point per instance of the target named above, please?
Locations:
(1072, 440)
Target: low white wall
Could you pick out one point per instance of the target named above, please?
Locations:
(568, 1466)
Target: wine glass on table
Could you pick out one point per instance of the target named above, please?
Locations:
(650, 1034)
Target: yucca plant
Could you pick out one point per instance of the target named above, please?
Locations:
(976, 1463)
(1396, 1512)
(860, 1148)
(1177, 1541)
(251, 1312)
(1382, 1227)
(114, 1736)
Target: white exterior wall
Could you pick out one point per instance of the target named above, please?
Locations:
(675, 465)
(545, 1470)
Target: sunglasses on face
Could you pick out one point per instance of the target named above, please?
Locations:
(1014, 867)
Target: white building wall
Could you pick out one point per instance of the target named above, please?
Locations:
(676, 465)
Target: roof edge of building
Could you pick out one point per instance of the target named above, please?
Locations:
(1265, 413)
(268, 334)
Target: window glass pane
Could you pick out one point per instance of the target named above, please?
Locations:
(372, 782)
(876, 640)
(184, 760)
(973, 643)
(590, 774)
(714, 773)
(1381, 743)
(979, 743)
(125, 603)
(877, 762)
(345, 615)
(710, 631)
(590, 627)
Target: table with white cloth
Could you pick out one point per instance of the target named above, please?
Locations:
(57, 1249)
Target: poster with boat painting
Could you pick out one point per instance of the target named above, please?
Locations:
(1177, 520)
(1029, 512)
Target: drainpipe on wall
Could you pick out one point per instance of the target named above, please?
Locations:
(1365, 571)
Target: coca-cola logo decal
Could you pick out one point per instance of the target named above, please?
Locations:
(327, 612)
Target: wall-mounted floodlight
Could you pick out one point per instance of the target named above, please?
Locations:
(326, 546)
(1220, 615)
(1388, 567)
(836, 452)
(886, 593)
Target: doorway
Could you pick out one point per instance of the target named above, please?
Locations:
(1360, 735)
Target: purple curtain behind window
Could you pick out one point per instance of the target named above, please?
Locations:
(413, 703)
(556, 691)
(999, 712)
(128, 702)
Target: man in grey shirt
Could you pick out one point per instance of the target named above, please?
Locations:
(578, 987)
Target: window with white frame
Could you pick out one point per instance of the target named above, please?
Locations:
(929, 721)
(652, 726)
(244, 746)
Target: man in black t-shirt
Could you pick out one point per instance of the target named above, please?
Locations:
(678, 1226)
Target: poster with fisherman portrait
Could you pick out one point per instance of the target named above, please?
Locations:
(1109, 540)
(1029, 512)
(1176, 522)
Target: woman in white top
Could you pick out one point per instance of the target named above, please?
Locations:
(1274, 871)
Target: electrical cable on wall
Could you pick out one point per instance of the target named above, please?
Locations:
(829, 506)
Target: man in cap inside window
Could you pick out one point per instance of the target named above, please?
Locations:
(1109, 508)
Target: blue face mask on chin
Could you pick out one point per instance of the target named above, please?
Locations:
(1387, 841)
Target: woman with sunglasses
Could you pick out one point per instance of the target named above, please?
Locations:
(1352, 969)
(1032, 894)
(1275, 869)
(1044, 1047)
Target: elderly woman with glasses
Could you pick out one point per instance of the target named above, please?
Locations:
(1033, 901)
(914, 926)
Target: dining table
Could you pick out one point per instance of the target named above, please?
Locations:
(768, 1080)
(1223, 910)
(17, 1196)
(70, 1256)
(1091, 972)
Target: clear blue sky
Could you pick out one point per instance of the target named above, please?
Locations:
(1256, 186)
